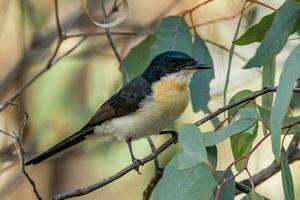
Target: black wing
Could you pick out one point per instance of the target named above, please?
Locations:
(126, 101)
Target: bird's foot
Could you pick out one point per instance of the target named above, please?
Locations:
(137, 163)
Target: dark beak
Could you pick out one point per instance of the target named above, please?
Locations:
(199, 66)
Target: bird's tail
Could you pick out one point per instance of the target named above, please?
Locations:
(70, 141)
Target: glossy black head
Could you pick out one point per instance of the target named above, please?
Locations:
(171, 62)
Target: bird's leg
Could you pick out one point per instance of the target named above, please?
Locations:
(135, 161)
(173, 133)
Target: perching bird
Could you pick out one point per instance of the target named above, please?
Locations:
(142, 107)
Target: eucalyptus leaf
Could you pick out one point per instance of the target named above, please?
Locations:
(241, 143)
(199, 85)
(243, 120)
(253, 196)
(283, 25)
(191, 141)
(194, 183)
(172, 34)
(257, 32)
(290, 73)
(138, 58)
(286, 176)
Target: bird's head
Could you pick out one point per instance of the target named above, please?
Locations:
(172, 63)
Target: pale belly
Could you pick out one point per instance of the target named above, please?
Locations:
(168, 102)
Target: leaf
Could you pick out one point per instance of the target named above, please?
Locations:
(286, 176)
(284, 21)
(138, 58)
(212, 155)
(191, 141)
(172, 34)
(268, 79)
(228, 191)
(290, 73)
(194, 183)
(257, 32)
(241, 143)
(198, 182)
(265, 114)
(253, 196)
(243, 120)
(199, 85)
(295, 102)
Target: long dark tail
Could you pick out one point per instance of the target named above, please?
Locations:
(70, 141)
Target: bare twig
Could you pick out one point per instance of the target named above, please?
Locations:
(17, 141)
(225, 48)
(157, 174)
(231, 52)
(113, 46)
(293, 153)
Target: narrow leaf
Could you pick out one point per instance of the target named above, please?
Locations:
(243, 120)
(268, 81)
(286, 176)
(276, 37)
(241, 143)
(290, 73)
(257, 32)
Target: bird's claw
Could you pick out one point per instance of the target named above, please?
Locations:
(137, 163)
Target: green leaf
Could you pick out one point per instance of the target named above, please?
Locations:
(283, 25)
(241, 143)
(253, 196)
(172, 34)
(228, 191)
(191, 141)
(198, 182)
(212, 155)
(265, 114)
(257, 32)
(268, 79)
(243, 120)
(286, 176)
(138, 58)
(194, 183)
(199, 85)
(290, 73)
(295, 102)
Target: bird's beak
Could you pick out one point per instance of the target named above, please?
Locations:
(199, 66)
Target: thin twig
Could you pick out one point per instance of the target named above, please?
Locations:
(16, 139)
(157, 173)
(231, 52)
(113, 46)
(58, 26)
(225, 48)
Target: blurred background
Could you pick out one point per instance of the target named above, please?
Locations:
(64, 98)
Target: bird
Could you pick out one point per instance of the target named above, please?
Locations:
(142, 107)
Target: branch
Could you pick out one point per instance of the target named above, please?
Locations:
(157, 174)
(244, 100)
(16, 139)
(113, 46)
(86, 190)
(293, 153)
